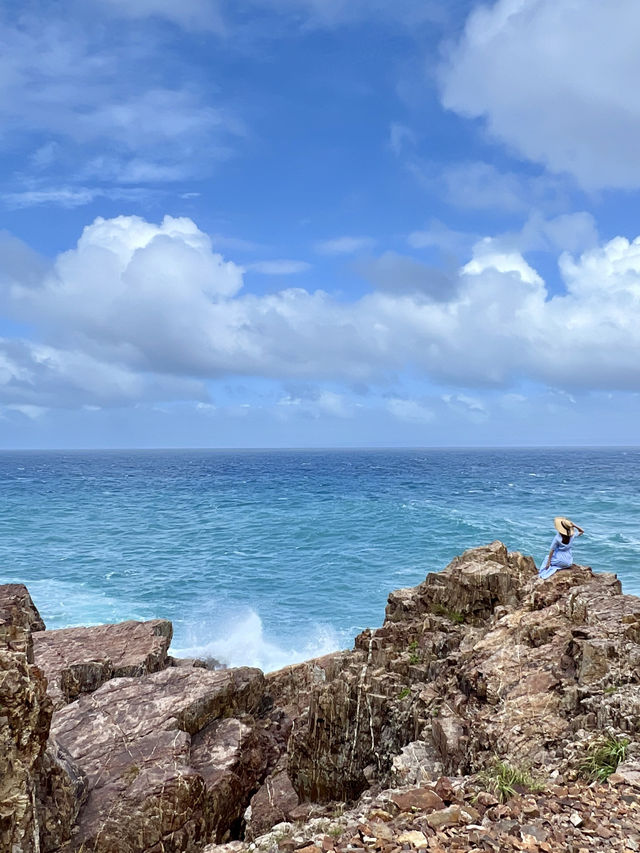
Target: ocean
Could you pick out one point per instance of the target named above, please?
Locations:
(264, 558)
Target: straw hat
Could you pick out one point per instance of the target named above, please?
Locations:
(563, 525)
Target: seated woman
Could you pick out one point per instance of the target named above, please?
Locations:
(560, 555)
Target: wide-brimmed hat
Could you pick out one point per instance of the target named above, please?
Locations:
(563, 525)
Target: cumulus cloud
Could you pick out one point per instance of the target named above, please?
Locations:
(139, 309)
(556, 82)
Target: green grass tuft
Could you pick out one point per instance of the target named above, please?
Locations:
(603, 757)
(404, 693)
(505, 780)
(453, 615)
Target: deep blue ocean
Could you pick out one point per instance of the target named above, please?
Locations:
(269, 557)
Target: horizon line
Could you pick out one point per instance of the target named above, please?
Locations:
(229, 448)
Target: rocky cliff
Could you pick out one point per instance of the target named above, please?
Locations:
(476, 718)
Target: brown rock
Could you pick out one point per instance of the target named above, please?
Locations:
(416, 839)
(444, 817)
(25, 713)
(232, 758)
(19, 618)
(422, 799)
(272, 803)
(444, 789)
(447, 732)
(62, 789)
(147, 786)
(79, 660)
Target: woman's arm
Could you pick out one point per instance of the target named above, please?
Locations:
(579, 529)
(548, 560)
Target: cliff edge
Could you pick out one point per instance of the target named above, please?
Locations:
(480, 716)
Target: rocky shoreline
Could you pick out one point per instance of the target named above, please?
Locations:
(479, 717)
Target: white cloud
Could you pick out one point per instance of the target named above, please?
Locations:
(470, 407)
(401, 138)
(36, 377)
(334, 13)
(477, 185)
(440, 236)
(70, 196)
(280, 267)
(145, 310)
(31, 412)
(88, 107)
(410, 410)
(344, 245)
(556, 82)
(196, 15)
(319, 403)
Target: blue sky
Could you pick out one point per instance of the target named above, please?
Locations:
(319, 222)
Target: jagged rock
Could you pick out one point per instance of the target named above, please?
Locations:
(273, 803)
(448, 736)
(417, 762)
(149, 782)
(232, 758)
(62, 789)
(79, 660)
(480, 661)
(19, 618)
(25, 714)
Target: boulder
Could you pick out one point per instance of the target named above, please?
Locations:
(161, 767)
(232, 758)
(79, 660)
(271, 804)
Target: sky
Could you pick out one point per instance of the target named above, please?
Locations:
(317, 223)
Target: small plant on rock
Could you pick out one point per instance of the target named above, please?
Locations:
(414, 652)
(603, 757)
(505, 780)
(404, 693)
(453, 615)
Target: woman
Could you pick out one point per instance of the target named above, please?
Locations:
(560, 556)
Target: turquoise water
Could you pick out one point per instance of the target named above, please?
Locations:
(267, 557)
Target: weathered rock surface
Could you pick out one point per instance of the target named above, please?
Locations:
(273, 803)
(79, 660)
(150, 782)
(19, 618)
(61, 790)
(481, 660)
(25, 714)
(574, 818)
(41, 789)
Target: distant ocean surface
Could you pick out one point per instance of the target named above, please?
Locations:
(270, 557)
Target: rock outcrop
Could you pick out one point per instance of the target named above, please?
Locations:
(480, 662)
(79, 660)
(19, 619)
(25, 716)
